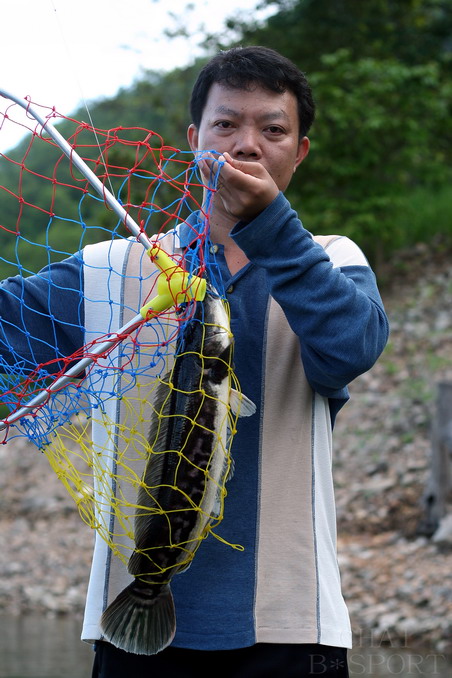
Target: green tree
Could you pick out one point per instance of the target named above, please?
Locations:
(378, 136)
(414, 31)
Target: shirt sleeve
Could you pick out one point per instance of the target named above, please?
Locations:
(41, 317)
(331, 303)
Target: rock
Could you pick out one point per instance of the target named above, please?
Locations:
(443, 534)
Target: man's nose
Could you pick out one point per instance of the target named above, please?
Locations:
(247, 145)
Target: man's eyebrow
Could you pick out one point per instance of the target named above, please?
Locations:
(224, 110)
(277, 114)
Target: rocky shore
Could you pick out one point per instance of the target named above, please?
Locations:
(396, 578)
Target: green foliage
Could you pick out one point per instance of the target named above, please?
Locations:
(414, 31)
(379, 136)
(423, 215)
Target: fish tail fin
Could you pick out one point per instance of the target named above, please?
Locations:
(140, 620)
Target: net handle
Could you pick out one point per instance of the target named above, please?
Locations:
(97, 351)
(83, 168)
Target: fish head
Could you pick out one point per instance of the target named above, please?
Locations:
(206, 332)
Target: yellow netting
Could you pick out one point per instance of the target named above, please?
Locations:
(105, 479)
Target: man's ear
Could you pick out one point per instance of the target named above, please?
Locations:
(192, 136)
(303, 150)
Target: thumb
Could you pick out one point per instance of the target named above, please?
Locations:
(253, 168)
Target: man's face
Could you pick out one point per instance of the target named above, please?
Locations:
(254, 126)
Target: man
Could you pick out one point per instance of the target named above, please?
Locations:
(307, 319)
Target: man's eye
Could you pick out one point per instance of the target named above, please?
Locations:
(223, 124)
(273, 129)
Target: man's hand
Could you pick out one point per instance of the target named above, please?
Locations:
(245, 187)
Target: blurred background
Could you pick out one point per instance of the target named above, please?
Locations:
(379, 171)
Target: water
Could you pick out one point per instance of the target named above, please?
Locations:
(42, 647)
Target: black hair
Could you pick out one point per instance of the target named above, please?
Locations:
(245, 67)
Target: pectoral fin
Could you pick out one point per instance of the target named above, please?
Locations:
(240, 404)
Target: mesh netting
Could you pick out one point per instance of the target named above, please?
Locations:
(100, 422)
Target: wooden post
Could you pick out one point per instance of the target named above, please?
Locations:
(438, 493)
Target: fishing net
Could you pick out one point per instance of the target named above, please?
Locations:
(89, 410)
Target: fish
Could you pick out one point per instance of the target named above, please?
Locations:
(182, 489)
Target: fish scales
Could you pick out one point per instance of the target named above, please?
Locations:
(183, 482)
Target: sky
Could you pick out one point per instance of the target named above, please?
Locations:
(62, 53)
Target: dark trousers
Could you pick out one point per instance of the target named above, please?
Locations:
(264, 660)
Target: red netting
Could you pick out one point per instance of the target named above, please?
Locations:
(49, 213)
